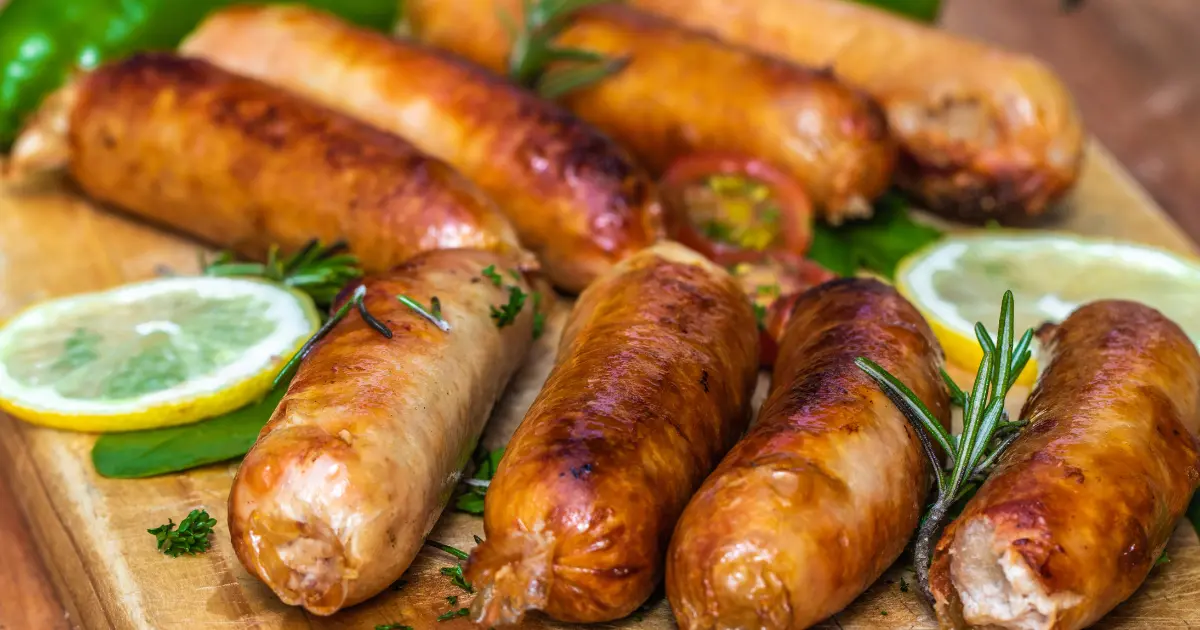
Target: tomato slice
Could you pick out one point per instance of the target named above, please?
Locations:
(773, 282)
(733, 208)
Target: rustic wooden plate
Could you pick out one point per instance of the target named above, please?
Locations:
(92, 531)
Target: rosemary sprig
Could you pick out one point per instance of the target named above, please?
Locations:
(455, 573)
(986, 431)
(321, 272)
(434, 314)
(355, 301)
(533, 51)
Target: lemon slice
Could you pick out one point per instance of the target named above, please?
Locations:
(152, 354)
(960, 279)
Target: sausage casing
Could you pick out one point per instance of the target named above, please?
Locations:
(651, 386)
(1081, 506)
(575, 197)
(826, 489)
(335, 499)
(983, 133)
(244, 165)
(683, 92)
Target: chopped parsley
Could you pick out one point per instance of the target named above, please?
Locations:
(490, 273)
(447, 616)
(506, 314)
(190, 538)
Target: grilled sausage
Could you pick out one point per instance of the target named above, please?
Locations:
(824, 492)
(575, 197)
(983, 133)
(244, 165)
(1082, 504)
(352, 471)
(683, 92)
(651, 386)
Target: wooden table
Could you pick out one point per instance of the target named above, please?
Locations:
(1130, 65)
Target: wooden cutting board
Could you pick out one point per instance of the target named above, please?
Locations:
(92, 531)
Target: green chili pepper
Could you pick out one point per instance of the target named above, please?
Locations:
(42, 42)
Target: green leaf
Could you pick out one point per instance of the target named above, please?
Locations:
(920, 10)
(1193, 512)
(192, 537)
(557, 83)
(159, 451)
(877, 244)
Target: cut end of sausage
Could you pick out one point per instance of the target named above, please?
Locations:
(304, 563)
(513, 575)
(997, 588)
(44, 143)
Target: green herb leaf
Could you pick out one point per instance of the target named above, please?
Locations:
(393, 626)
(321, 272)
(1163, 559)
(877, 244)
(1193, 512)
(903, 585)
(760, 315)
(558, 83)
(139, 454)
(190, 538)
(539, 316)
(447, 616)
(452, 600)
(490, 273)
(920, 10)
(433, 314)
(355, 301)
(506, 314)
(472, 497)
(535, 62)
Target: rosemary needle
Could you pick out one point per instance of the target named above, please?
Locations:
(355, 301)
(321, 272)
(986, 430)
(434, 314)
(533, 53)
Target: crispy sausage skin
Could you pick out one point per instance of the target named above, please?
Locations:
(651, 386)
(352, 471)
(684, 92)
(1082, 504)
(244, 165)
(983, 133)
(824, 492)
(575, 197)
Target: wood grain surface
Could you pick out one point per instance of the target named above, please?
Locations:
(1130, 64)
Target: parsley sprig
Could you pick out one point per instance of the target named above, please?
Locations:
(319, 271)
(191, 537)
(987, 432)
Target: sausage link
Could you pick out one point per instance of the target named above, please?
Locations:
(983, 133)
(651, 386)
(335, 499)
(684, 92)
(575, 197)
(244, 165)
(824, 492)
(1080, 507)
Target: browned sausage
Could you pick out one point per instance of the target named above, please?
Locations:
(984, 133)
(824, 492)
(336, 497)
(1082, 504)
(575, 197)
(684, 92)
(244, 165)
(652, 385)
